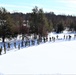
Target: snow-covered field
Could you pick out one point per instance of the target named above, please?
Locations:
(49, 58)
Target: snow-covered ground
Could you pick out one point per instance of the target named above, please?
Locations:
(48, 58)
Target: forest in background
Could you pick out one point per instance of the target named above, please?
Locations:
(37, 22)
(58, 23)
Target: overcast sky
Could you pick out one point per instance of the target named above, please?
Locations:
(67, 7)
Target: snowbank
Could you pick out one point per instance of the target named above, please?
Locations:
(48, 58)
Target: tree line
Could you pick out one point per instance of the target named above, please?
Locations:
(53, 22)
(37, 22)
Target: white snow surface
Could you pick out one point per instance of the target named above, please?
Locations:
(48, 58)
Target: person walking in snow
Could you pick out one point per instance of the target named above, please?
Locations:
(4, 48)
(28, 42)
(19, 46)
(57, 37)
(44, 39)
(33, 42)
(64, 37)
(25, 43)
(0, 50)
(15, 44)
(38, 41)
(50, 39)
(8, 45)
(69, 37)
(53, 38)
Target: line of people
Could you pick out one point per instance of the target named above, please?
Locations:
(25, 43)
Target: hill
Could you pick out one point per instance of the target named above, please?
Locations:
(48, 58)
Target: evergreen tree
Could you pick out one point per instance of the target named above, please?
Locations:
(6, 24)
(38, 22)
(34, 21)
(43, 24)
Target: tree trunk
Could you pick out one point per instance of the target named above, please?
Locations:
(3, 39)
